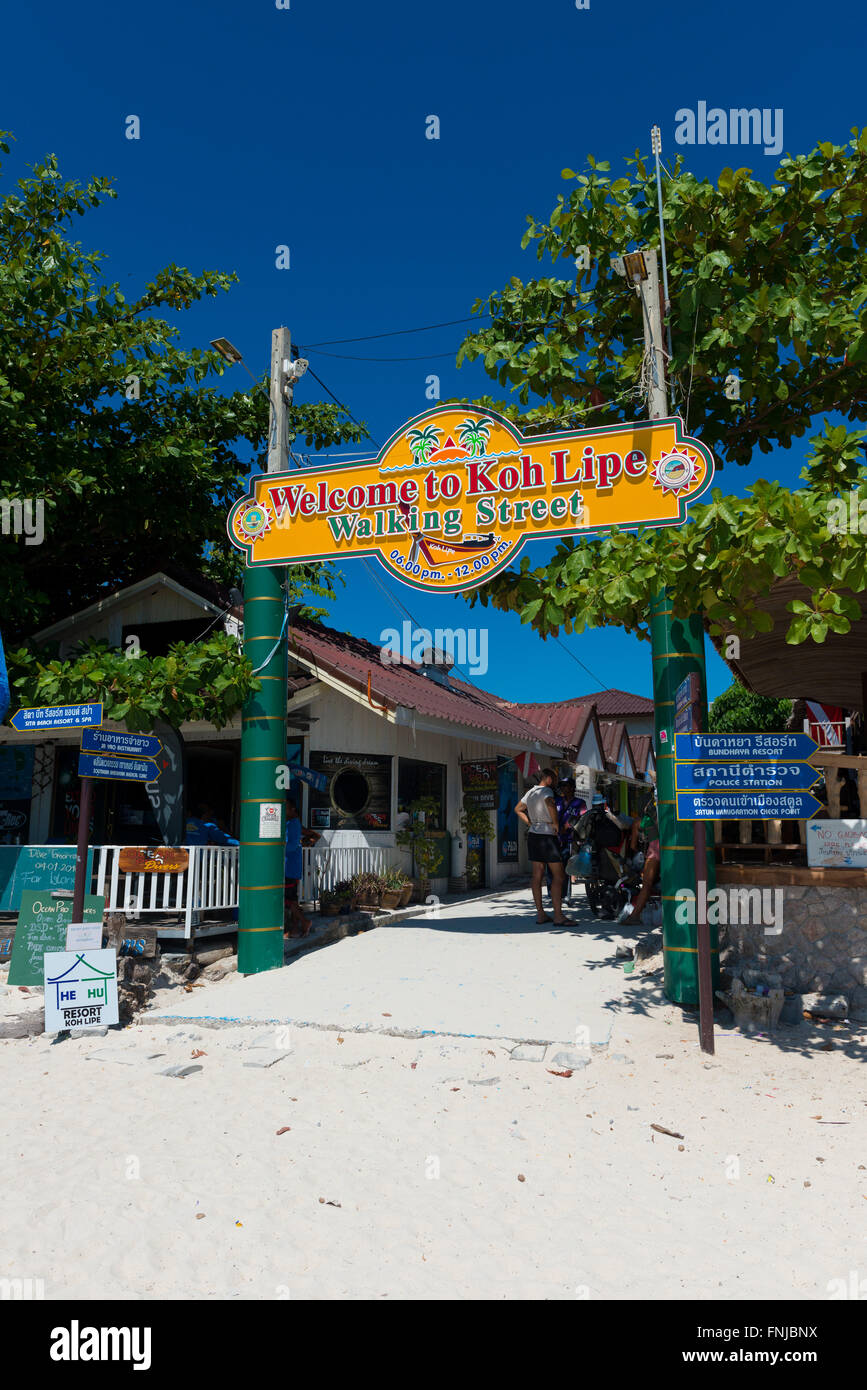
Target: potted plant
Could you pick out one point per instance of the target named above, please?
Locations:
(394, 883)
(475, 823)
(367, 889)
(344, 894)
(328, 904)
(417, 836)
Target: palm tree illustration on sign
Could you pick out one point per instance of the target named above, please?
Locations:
(474, 434)
(423, 442)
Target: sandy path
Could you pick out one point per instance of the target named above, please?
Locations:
(107, 1166)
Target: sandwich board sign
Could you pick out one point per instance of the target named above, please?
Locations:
(80, 989)
(453, 495)
(42, 926)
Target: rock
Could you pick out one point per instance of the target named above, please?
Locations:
(753, 1011)
(792, 1010)
(623, 952)
(181, 1071)
(192, 972)
(205, 958)
(276, 1039)
(826, 1005)
(648, 953)
(570, 1060)
(92, 1032)
(219, 970)
(266, 1057)
(25, 1025)
(529, 1052)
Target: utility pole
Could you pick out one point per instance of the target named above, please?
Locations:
(678, 651)
(263, 719)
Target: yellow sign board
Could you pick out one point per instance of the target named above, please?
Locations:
(454, 494)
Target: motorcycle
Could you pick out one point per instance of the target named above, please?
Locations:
(612, 877)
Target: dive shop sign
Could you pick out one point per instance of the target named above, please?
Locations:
(454, 494)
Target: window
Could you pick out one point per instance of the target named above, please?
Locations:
(416, 779)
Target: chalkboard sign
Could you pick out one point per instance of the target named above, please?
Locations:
(36, 868)
(42, 923)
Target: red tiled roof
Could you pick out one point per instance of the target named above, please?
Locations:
(564, 723)
(641, 746)
(612, 737)
(354, 660)
(614, 704)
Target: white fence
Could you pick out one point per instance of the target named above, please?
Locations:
(326, 865)
(209, 882)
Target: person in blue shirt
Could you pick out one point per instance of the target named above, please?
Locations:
(293, 869)
(202, 829)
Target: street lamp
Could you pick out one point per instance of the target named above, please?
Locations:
(226, 350)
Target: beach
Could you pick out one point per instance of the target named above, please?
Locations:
(335, 1158)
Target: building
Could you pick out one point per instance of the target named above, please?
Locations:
(365, 739)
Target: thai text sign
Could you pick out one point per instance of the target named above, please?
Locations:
(57, 717)
(453, 495)
(743, 747)
(746, 805)
(744, 777)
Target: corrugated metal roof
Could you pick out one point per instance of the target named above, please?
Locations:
(612, 704)
(356, 660)
(564, 722)
(641, 745)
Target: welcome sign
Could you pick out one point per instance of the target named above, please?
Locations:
(454, 494)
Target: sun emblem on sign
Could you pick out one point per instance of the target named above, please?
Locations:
(253, 521)
(675, 470)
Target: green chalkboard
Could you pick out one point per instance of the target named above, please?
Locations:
(42, 923)
(39, 868)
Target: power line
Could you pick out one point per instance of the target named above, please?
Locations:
(593, 676)
(347, 357)
(397, 332)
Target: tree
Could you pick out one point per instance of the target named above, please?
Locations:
(119, 433)
(768, 284)
(740, 711)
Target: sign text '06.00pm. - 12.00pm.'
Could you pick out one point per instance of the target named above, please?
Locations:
(452, 497)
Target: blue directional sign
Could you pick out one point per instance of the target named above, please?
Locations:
(127, 745)
(744, 777)
(112, 769)
(57, 717)
(746, 805)
(780, 748)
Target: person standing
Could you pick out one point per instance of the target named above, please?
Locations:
(538, 811)
(573, 808)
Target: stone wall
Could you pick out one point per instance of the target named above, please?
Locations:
(822, 947)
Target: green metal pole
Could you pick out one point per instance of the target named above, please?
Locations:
(678, 651)
(263, 751)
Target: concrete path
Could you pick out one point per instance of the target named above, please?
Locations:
(477, 969)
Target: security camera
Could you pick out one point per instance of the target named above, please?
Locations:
(293, 371)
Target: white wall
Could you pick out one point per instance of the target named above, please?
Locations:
(345, 726)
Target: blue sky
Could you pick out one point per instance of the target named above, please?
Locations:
(306, 127)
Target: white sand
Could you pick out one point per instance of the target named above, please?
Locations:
(107, 1166)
